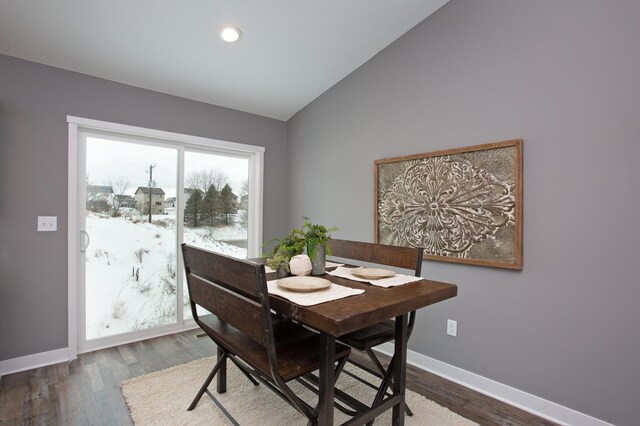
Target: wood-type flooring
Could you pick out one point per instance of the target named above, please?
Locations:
(87, 390)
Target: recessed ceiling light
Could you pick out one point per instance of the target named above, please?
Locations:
(230, 34)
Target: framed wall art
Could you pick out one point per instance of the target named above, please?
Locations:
(462, 205)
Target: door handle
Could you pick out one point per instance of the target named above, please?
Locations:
(84, 241)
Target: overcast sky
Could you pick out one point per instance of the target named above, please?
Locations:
(108, 161)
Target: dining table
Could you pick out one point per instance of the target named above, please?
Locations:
(338, 317)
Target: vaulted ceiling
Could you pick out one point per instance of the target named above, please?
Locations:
(290, 51)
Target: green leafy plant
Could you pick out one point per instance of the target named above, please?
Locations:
(279, 259)
(315, 235)
(287, 247)
(310, 235)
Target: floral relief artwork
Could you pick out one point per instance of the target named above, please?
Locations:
(462, 205)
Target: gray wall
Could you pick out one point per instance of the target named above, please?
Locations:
(562, 75)
(34, 103)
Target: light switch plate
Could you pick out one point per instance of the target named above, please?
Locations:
(47, 223)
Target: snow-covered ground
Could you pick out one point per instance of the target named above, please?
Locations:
(131, 270)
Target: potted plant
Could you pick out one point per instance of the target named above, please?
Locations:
(317, 242)
(287, 247)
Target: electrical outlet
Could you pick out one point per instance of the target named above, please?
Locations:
(452, 328)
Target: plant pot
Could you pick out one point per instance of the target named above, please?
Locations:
(281, 272)
(318, 259)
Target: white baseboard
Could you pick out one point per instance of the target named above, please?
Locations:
(29, 362)
(512, 396)
(43, 359)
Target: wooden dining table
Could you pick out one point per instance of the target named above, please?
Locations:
(339, 317)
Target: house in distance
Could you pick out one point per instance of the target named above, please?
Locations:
(157, 200)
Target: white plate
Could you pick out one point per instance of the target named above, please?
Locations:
(303, 283)
(372, 273)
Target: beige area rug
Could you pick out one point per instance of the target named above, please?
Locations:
(162, 398)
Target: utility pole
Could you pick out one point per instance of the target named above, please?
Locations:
(151, 167)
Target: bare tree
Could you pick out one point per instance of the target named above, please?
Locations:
(243, 205)
(119, 187)
(244, 190)
(204, 178)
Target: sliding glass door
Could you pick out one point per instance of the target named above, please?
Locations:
(138, 199)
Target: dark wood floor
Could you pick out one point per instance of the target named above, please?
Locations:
(87, 390)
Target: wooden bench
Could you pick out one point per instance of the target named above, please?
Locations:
(264, 346)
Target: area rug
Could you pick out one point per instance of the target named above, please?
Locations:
(163, 397)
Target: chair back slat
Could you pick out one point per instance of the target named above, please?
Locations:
(232, 289)
(400, 257)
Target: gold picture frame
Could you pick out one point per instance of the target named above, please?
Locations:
(462, 205)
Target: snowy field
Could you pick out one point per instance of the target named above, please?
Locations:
(131, 270)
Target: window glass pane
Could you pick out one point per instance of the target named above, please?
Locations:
(216, 205)
(131, 261)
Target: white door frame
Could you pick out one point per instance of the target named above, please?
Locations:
(255, 155)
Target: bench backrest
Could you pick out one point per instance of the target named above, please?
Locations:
(234, 290)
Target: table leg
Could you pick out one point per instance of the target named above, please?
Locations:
(399, 368)
(222, 374)
(327, 362)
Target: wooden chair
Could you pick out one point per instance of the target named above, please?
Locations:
(367, 338)
(264, 346)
